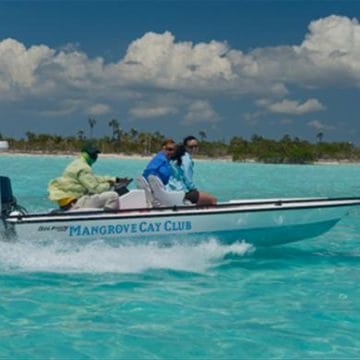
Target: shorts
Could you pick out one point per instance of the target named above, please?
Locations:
(192, 196)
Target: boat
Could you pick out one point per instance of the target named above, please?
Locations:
(261, 222)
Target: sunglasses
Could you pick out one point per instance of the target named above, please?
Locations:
(169, 149)
(193, 146)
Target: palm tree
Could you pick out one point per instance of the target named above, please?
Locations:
(133, 134)
(31, 136)
(114, 124)
(319, 137)
(92, 123)
(80, 134)
(202, 135)
(145, 141)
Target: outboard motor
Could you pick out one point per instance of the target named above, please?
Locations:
(7, 199)
(7, 205)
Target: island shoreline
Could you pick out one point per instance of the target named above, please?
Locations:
(123, 156)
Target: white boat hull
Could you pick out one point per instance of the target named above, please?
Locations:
(259, 222)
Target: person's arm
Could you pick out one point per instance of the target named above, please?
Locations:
(164, 172)
(93, 183)
(187, 165)
(103, 179)
(158, 166)
(152, 166)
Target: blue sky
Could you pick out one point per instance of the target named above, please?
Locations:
(226, 67)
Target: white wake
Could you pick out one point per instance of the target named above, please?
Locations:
(101, 257)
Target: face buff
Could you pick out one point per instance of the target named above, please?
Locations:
(88, 158)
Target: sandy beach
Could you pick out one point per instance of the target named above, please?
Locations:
(107, 155)
(148, 157)
(103, 155)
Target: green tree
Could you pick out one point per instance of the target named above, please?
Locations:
(81, 135)
(92, 123)
(133, 134)
(115, 127)
(202, 135)
(319, 137)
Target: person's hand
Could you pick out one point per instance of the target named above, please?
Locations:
(121, 185)
(123, 181)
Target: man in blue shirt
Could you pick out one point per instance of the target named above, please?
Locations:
(159, 164)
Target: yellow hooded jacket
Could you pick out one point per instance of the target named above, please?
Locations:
(77, 180)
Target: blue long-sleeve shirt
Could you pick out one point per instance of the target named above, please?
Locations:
(188, 167)
(182, 176)
(177, 180)
(160, 167)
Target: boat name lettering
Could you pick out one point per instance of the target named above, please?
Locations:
(59, 228)
(141, 228)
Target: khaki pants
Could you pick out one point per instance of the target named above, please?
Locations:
(108, 200)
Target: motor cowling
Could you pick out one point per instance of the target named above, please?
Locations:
(7, 205)
(8, 201)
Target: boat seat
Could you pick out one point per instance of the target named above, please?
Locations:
(133, 199)
(141, 183)
(164, 197)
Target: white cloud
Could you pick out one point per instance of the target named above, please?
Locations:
(333, 40)
(331, 50)
(99, 109)
(328, 55)
(18, 64)
(41, 71)
(319, 126)
(201, 111)
(147, 112)
(294, 107)
(158, 59)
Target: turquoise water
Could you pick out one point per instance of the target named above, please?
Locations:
(206, 301)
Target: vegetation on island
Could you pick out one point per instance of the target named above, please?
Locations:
(286, 150)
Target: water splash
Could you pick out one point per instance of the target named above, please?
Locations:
(102, 257)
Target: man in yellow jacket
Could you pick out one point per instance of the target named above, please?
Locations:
(79, 187)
